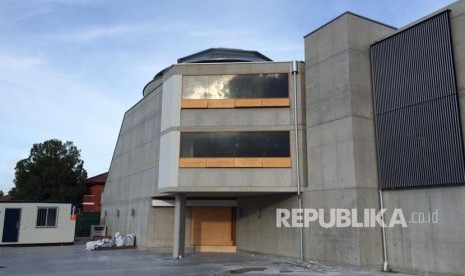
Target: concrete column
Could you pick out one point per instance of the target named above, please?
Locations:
(179, 225)
(342, 171)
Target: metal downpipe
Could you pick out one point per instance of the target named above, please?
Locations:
(295, 71)
(383, 231)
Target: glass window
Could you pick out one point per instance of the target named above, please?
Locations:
(235, 144)
(47, 217)
(236, 86)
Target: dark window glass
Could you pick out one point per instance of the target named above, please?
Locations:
(51, 217)
(236, 86)
(41, 217)
(47, 217)
(235, 144)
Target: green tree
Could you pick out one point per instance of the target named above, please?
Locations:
(53, 171)
(1, 193)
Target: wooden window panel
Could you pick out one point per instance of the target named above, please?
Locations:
(277, 162)
(192, 162)
(248, 103)
(248, 162)
(220, 103)
(194, 103)
(275, 102)
(220, 162)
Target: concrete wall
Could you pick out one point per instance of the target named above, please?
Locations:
(133, 173)
(433, 247)
(428, 247)
(342, 169)
(161, 228)
(258, 233)
(236, 179)
(29, 234)
(170, 134)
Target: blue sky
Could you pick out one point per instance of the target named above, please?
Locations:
(70, 69)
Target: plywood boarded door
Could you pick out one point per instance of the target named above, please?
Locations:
(213, 226)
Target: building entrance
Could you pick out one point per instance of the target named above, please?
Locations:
(213, 229)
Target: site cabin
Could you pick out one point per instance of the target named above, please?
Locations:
(36, 223)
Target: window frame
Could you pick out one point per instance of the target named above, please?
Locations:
(46, 217)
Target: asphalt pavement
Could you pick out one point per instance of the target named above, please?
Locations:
(76, 260)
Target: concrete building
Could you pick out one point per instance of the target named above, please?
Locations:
(36, 223)
(209, 154)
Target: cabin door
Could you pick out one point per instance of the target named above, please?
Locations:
(11, 225)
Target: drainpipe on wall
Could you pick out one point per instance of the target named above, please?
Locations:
(383, 231)
(295, 71)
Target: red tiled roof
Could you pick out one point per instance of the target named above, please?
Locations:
(101, 178)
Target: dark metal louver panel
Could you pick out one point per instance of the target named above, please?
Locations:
(414, 66)
(420, 145)
(418, 129)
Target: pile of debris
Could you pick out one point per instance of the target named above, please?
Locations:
(117, 241)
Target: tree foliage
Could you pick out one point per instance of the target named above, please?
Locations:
(53, 171)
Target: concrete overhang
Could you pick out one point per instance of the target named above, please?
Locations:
(196, 202)
(224, 191)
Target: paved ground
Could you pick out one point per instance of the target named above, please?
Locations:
(75, 260)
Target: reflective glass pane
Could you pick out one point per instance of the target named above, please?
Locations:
(236, 86)
(194, 87)
(235, 144)
(218, 87)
